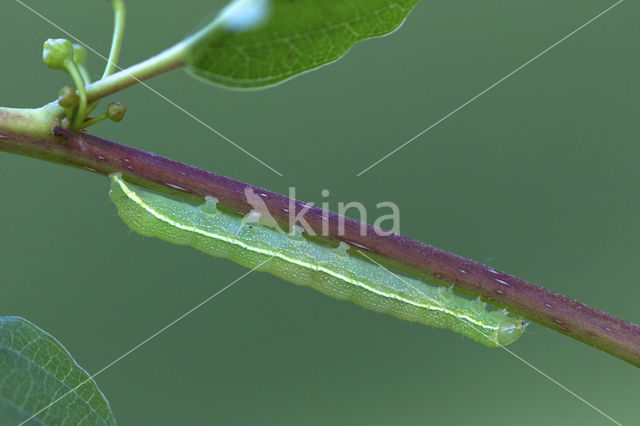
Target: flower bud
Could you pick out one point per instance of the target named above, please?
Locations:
(56, 51)
(68, 97)
(115, 111)
(79, 54)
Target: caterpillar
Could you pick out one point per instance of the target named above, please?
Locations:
(330, 270)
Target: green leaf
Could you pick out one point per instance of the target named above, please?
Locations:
(35, 370)
(294, 36)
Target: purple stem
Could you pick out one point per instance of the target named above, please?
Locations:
(567, 316)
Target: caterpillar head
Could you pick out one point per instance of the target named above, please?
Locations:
(510, 329)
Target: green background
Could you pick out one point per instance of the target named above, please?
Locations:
(538, 178)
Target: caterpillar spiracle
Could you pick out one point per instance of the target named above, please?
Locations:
(296, 259)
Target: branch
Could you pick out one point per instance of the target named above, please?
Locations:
(567, 316)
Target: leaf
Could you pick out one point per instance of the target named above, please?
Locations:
(35, 370)
(292, 37)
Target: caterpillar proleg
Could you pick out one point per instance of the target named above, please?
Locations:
(329, 270)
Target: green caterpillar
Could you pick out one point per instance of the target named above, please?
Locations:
(293, 258)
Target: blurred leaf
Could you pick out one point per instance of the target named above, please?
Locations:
(35, 370)
(257, 43)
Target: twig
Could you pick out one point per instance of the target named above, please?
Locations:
(567, 316)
